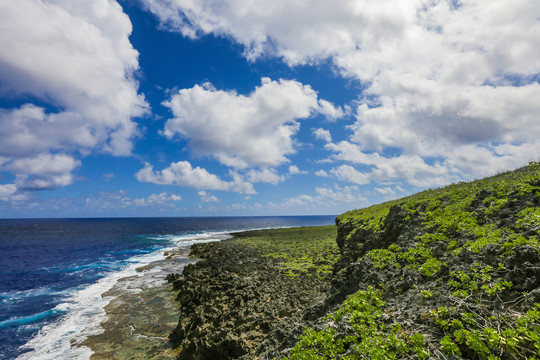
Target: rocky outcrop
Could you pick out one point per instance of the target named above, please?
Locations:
(234, 299)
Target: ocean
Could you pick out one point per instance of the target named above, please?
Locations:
(53, 272)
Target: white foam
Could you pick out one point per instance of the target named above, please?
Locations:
(85, 308)
(84, 314)
(16, 295)
(190, 239)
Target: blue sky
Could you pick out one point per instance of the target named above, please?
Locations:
(242, 107)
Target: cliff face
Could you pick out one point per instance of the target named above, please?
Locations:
(446, 273)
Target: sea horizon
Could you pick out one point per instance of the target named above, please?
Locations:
(161, 217)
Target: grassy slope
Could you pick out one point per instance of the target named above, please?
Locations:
(448, 273)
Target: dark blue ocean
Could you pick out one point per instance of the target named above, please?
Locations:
(53, 271)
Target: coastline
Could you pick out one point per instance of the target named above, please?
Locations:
(212, 283)
(248, 295)
(59, 302)
(141, 314)
(447, 273)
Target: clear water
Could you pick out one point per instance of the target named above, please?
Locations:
(53, 271)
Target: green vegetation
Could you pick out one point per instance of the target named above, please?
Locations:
(446, 213)
(490, 337)
(365, 335)
(457, 271)
(304, 250)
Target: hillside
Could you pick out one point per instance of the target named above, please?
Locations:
(449, 273)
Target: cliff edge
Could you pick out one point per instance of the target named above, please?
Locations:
(451, 273)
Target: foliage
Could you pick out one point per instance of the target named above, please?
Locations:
(366, 335)
(459, 259)
(493, 337)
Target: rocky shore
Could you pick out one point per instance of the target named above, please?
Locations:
(141, 314)
(451, 273)
(247, 296)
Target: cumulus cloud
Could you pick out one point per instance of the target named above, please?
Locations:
(294, 170)
(322, 134)
(442, 77)
(183, 174)
(10, 193)
(264, 176)
(121, 199)
(299, 200)
(386, 191)
(76, 58)
(411, 168)
(158, 199)
(331, 112)
(45, 171)
(321, 173)
(462, 162)
(350, 174)
(207, 197)
(338, 198)
(296, 31)
(243, 131)
(341, 194)
(109, 200)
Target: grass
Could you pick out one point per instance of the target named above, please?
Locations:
(301, 251)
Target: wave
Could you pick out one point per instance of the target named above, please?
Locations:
(190, 239)
(30, 319)
(78, 268)
(15, 295)
(83, 313)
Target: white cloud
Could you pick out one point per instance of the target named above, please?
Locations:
(386, 191)
(296, 201)
(477, 161)
(411, 168)
(121, 199)
(322, 134)
(321, 173)
(330, 111)
(294, 170)
(442, 77)
(183, 174)
(206, 197)
(8, 192)
(109, 200)
(268, 175)
(461, 162)
(350, 174)
(296, 31)
(45, 171)
(77, 58)
(345, 194)
(242, 131)
(327, 199)
(158, 199)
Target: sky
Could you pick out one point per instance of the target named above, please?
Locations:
(248, 107)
